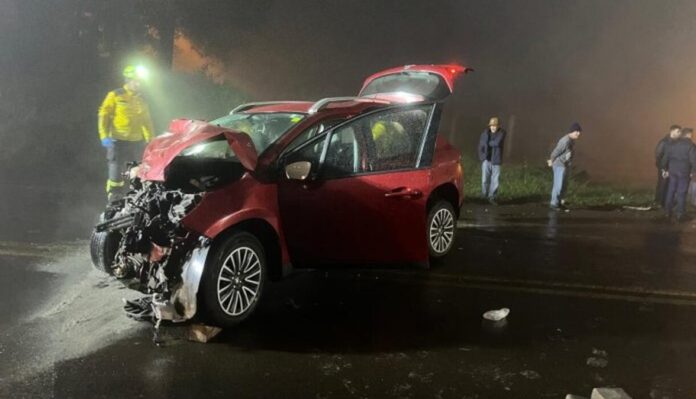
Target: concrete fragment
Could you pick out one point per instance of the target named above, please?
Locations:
(609, 393)
(202, 333)
(496, 315)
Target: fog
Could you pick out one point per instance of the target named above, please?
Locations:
(623, 69)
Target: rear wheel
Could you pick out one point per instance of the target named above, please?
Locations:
(442, 228)
(233, 279)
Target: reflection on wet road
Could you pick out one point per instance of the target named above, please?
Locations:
(596, 299)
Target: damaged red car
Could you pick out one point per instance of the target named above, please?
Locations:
(217, 209)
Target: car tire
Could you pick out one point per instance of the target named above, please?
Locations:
(234, 279)
(103, 246)
(441, 229)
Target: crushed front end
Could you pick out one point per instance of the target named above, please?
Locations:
(141, 241)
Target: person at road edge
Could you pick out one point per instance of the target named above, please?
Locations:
(490, 152)
(560, 161)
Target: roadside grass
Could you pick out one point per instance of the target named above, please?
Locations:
(522, 184)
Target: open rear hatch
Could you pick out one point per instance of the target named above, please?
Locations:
(413, 82)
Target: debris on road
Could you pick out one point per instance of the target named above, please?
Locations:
(609, 393)
(139, 309)
(597, 362)
(202, 333)
(530, 374)
(599, 352)
(496, 315)
(598, 358)
(637, 208)
(603, 393)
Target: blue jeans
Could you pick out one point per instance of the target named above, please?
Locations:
(490, 179)
(560, 182)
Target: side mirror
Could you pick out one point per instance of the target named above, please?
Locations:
(298, 170)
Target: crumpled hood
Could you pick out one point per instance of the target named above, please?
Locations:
(184, 133)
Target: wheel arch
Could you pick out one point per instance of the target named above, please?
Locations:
(266, 234)
(448, 192)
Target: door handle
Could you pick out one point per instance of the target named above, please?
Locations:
(404, 192)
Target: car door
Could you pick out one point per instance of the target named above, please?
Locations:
(364, 198)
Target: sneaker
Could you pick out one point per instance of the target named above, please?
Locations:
(492, 201)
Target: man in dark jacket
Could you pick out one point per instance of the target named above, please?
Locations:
(560, 160)
(679, 164)
(688, 133)
(490, 152)
(661, 188)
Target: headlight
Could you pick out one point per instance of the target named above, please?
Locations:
(133, 172)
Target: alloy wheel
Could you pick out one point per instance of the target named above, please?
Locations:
(239, 280)
(442, 231)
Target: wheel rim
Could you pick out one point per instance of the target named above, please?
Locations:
(239, 281)
(442, 231)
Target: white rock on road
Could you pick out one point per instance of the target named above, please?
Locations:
(609, 393)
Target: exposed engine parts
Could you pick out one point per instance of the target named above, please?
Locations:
(141, 241)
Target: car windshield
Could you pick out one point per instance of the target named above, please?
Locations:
(424, 84)
(264, 129)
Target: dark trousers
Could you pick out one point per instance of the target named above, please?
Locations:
(661, 188)
(117, 157)
(676, 193)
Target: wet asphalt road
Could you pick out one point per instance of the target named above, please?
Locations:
(596, 299)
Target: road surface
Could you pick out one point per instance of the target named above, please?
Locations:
(596, 299)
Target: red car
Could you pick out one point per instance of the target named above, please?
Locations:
(218, 208)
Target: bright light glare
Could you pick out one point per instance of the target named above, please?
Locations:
(141, 72)
(196, 149)
(407, 97)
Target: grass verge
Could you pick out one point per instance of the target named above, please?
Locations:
(521, 184)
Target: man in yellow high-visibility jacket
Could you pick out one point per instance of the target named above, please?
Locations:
(124, 124)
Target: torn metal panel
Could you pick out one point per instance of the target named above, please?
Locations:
(183, 303)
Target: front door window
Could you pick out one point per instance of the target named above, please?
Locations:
(379, 142)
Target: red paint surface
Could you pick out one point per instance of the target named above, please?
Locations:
(369, 218)
(184, 133)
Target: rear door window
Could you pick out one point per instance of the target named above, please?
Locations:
(395, 138)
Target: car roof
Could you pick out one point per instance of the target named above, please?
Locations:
(333, 104)
(301, 107)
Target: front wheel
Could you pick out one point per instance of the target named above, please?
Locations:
(442, 228)
(103, 247)
(233, 279)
